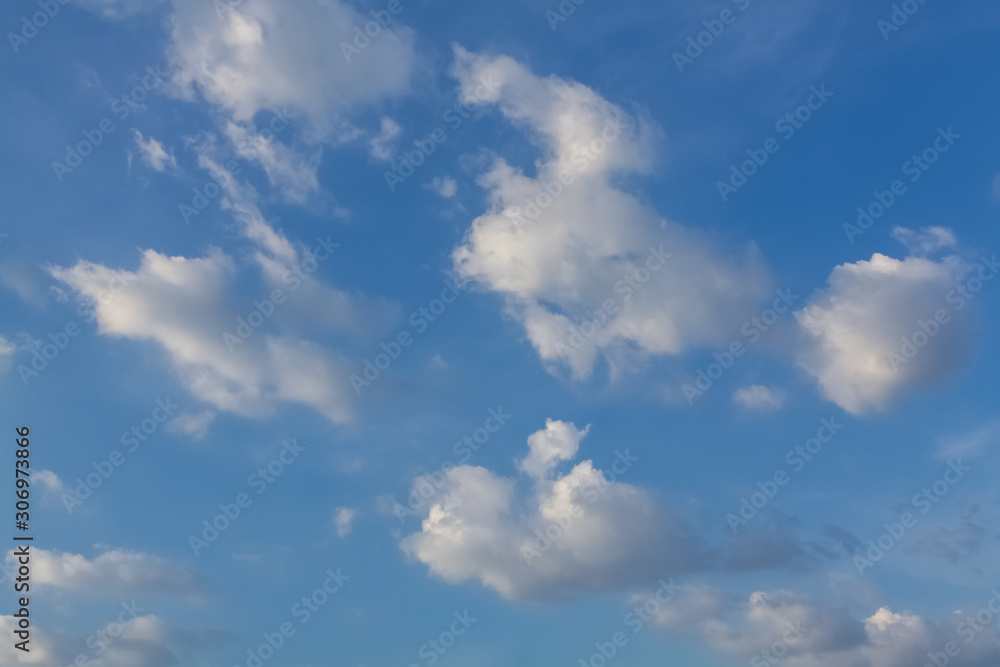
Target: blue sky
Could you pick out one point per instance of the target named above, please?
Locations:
(496, 328)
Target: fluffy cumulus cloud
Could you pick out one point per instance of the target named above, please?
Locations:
(580, 531)
(800, 632)
(588, 268)
(116, 572)
(265, 55)
(884, 325)
(558, 441)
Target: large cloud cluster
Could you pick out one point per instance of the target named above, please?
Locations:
(583, 530)
(586, 267)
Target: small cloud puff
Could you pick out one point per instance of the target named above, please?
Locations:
(759, 397)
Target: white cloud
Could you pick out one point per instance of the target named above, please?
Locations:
(759, 397)
(148, 641)
(602, 534)
(380, 147)
(298, 61)
(291, 173)
(117, 572)
(284, 265)
(7, 348)
(744, 629)
(264, 54)
(138, 641)
(559, 441)
(50, 482)
(181, 304)
(294, 60)
(195, 426)
(343, 517)
(42, 651)
(925, 241)
(445, 186)
(153, 153)
(556, 266)
(184, 305)
(808, 633)
(863, 315)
